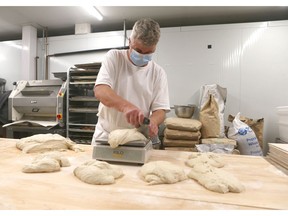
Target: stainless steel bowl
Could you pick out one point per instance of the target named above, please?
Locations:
(184, 111)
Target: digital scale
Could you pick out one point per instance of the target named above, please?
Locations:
(136, 152)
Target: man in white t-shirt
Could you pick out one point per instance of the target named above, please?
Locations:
(131, 86)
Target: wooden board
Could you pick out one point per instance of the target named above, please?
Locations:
(279, 154)
(266, 186)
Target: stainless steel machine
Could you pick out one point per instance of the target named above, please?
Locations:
(37, 106)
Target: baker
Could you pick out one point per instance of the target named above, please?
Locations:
(131, 86)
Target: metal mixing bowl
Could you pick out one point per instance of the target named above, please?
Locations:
(184, 111)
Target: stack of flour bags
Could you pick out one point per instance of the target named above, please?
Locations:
(181, 133)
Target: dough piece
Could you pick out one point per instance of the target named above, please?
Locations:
(122, 136)
(46, 142)
(98, 172)
(215, 179)
(47, 162)
(162, 172)
(207, 158)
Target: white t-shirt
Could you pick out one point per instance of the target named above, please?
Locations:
(145, 87)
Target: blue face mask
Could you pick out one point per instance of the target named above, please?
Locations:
(140, 59)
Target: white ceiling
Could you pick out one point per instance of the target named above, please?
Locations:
(61, 20)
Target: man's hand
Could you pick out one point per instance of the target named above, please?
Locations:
(134, 115)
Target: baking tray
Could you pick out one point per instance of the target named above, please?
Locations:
(89, 65)
(83, 98)
(60, 75)
(84, 110)
(83, 82)
(84, 77)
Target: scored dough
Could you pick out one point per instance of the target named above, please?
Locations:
(215, 179)
(122, 136)
(46, 142)
(47, 162)
(161, 172)
(98, 172)
(207, 157)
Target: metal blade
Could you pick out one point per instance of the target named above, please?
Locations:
(144, 127)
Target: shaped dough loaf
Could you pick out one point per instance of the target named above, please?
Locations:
(47, 162)
(46, 142)
(98, 172)
(123, 136)
(215, 179)
(162, 172)
(208, 158)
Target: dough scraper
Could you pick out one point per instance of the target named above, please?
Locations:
(144, 127)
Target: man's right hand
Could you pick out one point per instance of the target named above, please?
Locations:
(134, 115)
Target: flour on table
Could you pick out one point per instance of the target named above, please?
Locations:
(98, 172)
(162, 172)
(123, 136)
(209, 158)
(46, 162)
(215, 179)
(46, 142)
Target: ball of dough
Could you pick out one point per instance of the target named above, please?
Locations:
(46, 162)
(161, 172)
(123, 136)
(98, 172)
(45, 165)
(215, 179)
(46, 142)
(209, 158)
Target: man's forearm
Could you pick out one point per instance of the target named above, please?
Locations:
(158, 116)
(109, 98)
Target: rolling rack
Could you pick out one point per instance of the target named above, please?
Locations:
(82, 106)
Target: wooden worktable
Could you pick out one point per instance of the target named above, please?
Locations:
(266, 186)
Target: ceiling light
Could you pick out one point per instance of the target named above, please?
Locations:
(93, 12)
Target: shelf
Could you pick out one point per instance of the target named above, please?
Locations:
(82, 82)
(81, 130)
(82, 125)
(83, 77)
(89, 65)
(84, 98)
(83, 110)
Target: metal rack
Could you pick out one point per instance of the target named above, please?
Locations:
(82, 106)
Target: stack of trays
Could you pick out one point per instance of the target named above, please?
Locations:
(278, 153)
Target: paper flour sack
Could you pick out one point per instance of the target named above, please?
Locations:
(246, 139)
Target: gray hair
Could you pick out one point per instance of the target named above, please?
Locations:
(147, 30)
